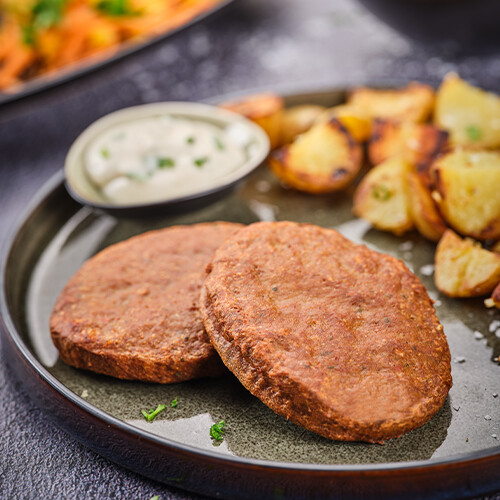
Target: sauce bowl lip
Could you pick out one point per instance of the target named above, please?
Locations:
(74, 167)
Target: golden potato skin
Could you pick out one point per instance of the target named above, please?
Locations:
(418, 143)
(324, 159)
(413, 103)
(495, 297)
(355, 120)
(471, 115)
(463, 268)
(467, 192)
(265, 109)
(299, 119)
(428, 221)
(382, 197)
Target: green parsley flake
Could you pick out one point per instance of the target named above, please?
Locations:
(156, 497)
(219, 145)
(217, 431)
(165, 162)
(199, 162)
(381, 192)
(191, 140)
(153, 413)
(474, 133)
(174, 402)
(105, 153)
(115, 8)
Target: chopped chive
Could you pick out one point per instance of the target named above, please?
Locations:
(199, 162)
(474, 133)
(165, 162)
(141, 177)
(153, 413)
(105, 153)
(218, 143)
(381, 192)
(191, 140)
(174, 402)
(217, 431)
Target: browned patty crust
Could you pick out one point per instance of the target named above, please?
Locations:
(336, 337)
(131, 311)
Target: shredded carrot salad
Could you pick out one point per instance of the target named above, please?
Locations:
(42, 36)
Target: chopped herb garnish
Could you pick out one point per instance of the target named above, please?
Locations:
(474, 133)
(28, 35)
(105, 153)
(191, 140)
(44, 14)
(47, 13)
(174, 402)
(141, 177)
(275, 288)
(199, 162)
(217, 431)
(116, 8)
(381, 192)
(156, 497)
(218, 143)
(165, 162)
(153, 413)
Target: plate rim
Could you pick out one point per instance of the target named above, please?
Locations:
(55, 182)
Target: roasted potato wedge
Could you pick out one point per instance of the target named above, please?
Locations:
(467, 192)
(495, 297)
(264, 109)
(418, 143)
(354, 120)
(382, 196)
(463, 268)
(413, 103)
(471, 115)
(299, 119)
(428, 221)
(496, 247)
(325, 158)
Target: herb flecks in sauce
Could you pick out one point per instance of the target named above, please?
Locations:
(174, 402)
(165, 162)
(151, 415)
(199, 162)
(190, 140)
(219, 144)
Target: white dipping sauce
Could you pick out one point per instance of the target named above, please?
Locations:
(162, 157)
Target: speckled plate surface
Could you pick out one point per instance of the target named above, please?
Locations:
(456, 454)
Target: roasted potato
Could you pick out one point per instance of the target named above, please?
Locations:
(495, 296)
(354, 120)
(413, 103)
(463, 268)
(425, 215)
(382, 196)
(325, 158)
(299, 119)
(418, 143)
(467, 192)
(496, 247)
(471, 115)
(264, 109)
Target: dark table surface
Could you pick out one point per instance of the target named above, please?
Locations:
(254, 44)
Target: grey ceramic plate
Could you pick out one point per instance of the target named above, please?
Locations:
(44, 82)
(454, 455)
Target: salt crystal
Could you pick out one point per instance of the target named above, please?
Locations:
(478, 335)
(459, 359)
(487, 417)
(427, 270)
(406, 246)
